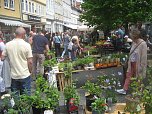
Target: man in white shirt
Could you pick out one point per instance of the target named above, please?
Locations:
(20, 56)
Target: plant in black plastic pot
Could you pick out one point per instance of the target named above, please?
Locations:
(99, 106)
(94, 92)
(72, 98)
(45, 97)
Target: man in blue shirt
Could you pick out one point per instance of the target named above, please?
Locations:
(39, 47)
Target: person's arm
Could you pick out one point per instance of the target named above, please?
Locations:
(30, 64)
(29, 58)
(133, 69)
(4, 54)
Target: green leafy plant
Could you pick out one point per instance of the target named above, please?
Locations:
(45, 96)
(83, 61)
(109, 84)
(133, 101)
(147, 92)
(70, 92)
(99, 105)
(21, 104)
(50, 63)
(92, 88)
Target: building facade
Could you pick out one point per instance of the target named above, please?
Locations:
(10, 18)
(34, 13)
(50, 23)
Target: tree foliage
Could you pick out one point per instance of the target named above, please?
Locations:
(105, 14)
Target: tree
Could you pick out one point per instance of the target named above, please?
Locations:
(106, 14)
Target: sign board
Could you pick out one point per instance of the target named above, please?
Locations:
(34, 18)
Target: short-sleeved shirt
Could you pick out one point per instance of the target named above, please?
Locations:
(57, 39)
(18, 51)
(39, 43)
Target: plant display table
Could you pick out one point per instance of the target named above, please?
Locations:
(63, 81)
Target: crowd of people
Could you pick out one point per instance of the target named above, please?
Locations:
(26, 55)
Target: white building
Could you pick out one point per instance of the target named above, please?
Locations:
(50, 16)
(58, 9)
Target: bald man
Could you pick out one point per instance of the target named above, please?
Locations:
(20, 56)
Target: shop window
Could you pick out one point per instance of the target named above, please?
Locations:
(32, 7)
(23, 5)
(12, 4)
(6, 3)
(29, 6)
(26, 3)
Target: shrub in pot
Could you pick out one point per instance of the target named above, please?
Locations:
(94, 92)
(99, 106)
(72, 98)
(45, 97)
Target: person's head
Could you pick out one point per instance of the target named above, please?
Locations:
(57, 33)
(1, 34)
(74, 41)
(20, 33)
(135, 34)
(139, 24)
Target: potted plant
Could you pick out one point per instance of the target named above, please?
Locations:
(45, 97)
(99, 106)
(147, 92)
(109, 83)
(133, 101)
(94, 91)
(72, 98)
(15, 105)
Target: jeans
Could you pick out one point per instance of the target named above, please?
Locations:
(21, 86)
(65, 50)
(38, 67)
(57, 49)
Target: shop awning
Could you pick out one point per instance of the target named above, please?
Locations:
(14, 23)
(71, 26)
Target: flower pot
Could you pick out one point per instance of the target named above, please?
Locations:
(97, 65)
(48, 112)
(148, 109)
(132, 104)
(89, 100)
(97, 112)
(71, 107)
(38, 110)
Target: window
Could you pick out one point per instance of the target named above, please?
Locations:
(6, 3)
(32, 7)
(29, 6)
(39, 10)
(26, 3)
(11, 4)
(23, 5)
